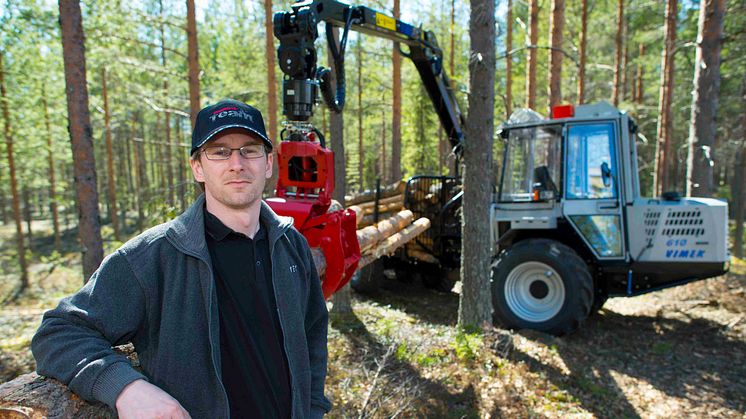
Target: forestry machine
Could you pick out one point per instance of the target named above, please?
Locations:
(306, 165)
(569, 226)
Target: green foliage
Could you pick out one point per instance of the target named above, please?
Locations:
(143, 44)
(467, 344)
(662, 348)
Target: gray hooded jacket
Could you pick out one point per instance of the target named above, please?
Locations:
(157, 291)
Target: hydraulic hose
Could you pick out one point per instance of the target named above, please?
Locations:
(335, 100)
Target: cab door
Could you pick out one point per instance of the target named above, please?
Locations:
(592, 194)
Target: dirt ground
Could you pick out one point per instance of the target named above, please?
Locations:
(674, 353)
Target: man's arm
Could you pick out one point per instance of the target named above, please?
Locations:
(316, 323)
(74, 342)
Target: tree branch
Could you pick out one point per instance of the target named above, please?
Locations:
(565, 53)
(138, 41)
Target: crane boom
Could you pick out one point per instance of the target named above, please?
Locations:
(296, 31)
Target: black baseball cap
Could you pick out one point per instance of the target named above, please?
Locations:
(224, 115)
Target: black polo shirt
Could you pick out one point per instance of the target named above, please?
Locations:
(254, 366)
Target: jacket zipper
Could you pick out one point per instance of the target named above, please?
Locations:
(282, 328)
(209, 334)
(209, 326)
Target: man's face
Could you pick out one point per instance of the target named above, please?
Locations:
(236, 183)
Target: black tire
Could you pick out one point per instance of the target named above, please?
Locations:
(440, 279)
(599, 299)
(541, 284)
(367, 280)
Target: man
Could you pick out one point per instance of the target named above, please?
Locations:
(223, 304)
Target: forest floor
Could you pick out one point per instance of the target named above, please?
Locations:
(680, 352)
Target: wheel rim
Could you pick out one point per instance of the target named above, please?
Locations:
(534, 291)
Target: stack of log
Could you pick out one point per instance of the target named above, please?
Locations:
(391, 201)
(395, 227)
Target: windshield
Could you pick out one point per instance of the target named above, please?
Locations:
(532, 162)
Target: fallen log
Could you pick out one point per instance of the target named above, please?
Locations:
(369, 205)
(358, 214)
(396, 188)
(369, 236)
(394, 242)
(31, 396)
(390, 207)
(401, 238)
(370, 219)
(422, 256)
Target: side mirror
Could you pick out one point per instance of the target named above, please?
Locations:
(606, 174)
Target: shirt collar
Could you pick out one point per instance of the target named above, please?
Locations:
(219, 231)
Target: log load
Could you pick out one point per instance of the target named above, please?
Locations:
(396, 188)
(31, 396)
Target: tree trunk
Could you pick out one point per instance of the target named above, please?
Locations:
(27, 215)
(360, 114)
(271, 78)
(137, 184)
(131, 197)
(3, 209)
(182, 170)
(452, 62)
(533, 35)
(383, 143)
(509, 61)
(84, 162)
(705, 97)
(20, 245)
(740, 176)
(51, 172)
(271, 90)
(475, 305)
(665, 115)
(582, 50)
(739, 197)
(452, 67)
(140, 182)
(192, 61)
(625, 60)
(615, 93)
(639, 95)
(557, 26)
(168, 155)
(112, 186)
(396, 112)
(342, 299)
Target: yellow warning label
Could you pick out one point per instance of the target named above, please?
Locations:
(386, 22)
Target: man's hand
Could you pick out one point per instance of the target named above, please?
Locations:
(140, 399)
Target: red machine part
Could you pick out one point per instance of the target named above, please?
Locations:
(563, 111)
(304, 190)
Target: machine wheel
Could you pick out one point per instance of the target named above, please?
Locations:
(440, 279)
(598, 301)
(367, 280)
(541, 284)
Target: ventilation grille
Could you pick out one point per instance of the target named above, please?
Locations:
(684, 223)
(650, 220)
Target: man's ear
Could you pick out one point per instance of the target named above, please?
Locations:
(270, 161)
(196, 164)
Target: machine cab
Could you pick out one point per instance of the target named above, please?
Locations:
(566, 171)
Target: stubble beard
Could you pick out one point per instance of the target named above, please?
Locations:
(240, 200)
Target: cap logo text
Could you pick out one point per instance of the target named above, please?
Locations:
(230, 112)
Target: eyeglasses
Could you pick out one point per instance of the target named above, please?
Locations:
(251, 151)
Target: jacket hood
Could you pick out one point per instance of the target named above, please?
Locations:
(188, 229)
